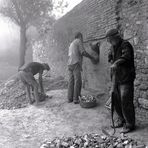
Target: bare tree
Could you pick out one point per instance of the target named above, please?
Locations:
(23, 13)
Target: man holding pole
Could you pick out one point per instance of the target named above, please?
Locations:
(121, 57)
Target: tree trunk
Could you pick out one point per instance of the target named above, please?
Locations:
(22, 49)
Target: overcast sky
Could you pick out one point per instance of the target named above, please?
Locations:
(72, 3)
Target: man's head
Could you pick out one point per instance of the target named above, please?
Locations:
(46, 66)
(78, 35)
(113, 36)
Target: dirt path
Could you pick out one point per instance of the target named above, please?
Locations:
(29, 127)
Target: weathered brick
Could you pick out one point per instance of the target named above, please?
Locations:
(93, 18)
(143, 103)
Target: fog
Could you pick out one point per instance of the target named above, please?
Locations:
(9, 41)
(9, 48)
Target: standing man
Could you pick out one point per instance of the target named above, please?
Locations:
(26, 75)
(76, 53)
(121, 57)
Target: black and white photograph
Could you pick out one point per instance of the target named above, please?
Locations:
(73, 73)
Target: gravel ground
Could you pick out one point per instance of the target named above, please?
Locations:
(12, 94)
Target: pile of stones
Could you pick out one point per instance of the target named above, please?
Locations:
(94, 141)
(13, 95)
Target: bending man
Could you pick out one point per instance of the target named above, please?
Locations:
(26, 75)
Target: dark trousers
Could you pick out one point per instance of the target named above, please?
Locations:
(123, 102)
(75, 82)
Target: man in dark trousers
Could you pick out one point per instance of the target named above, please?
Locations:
(121, 57)
(26, 75)
(76, 53)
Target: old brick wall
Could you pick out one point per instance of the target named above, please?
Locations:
(93, 18)
(133, 20)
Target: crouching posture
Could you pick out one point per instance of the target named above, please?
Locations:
(26, 75)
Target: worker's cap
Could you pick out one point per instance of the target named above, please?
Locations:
(112, 33)
(46, 66)
(78, 34)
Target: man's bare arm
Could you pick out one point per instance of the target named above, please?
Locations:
(86, 54)
(41, 82)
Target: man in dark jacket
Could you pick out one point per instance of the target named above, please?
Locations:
(121, 57)
(26, 75)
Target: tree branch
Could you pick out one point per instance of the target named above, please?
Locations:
(8, 12)
(18, 12)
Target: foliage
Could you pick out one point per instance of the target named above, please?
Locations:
(26, 11)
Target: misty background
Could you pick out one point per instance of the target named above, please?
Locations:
(9, 48)
(10, 39)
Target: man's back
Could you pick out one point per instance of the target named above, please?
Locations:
(33, 67)
(74, 54)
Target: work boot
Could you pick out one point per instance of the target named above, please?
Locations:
(76, 101)
(127, 129)
(70, 101)
(118, 124)
(32, 101)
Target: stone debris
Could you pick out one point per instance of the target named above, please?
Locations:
(88, 98)
(87, 101)
(93, 141)
(13, 95)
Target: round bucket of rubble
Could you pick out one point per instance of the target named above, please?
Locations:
(87, 101)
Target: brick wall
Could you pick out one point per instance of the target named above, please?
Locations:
(133, 20)
(93, 18)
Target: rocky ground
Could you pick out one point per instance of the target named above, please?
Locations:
(28, 126)
(12, 92)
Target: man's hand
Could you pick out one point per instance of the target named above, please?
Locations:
(94, 60)
(113, 67)
(41, 83)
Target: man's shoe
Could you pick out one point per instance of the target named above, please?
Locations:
(42, 99)
(76, 102)
(127, 129)
(32, 101)
(70, 101)
(118, 125)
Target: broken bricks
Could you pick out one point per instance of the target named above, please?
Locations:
(93, 141)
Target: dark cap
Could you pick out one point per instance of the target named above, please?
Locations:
(112, 32)
(78, 34)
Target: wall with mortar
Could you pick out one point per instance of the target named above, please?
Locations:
(133, 21)
(93, 18)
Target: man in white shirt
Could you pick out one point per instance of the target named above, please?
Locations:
(76, 53)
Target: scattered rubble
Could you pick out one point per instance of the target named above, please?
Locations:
(87, 101)
(12, 92)
(94, 141)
